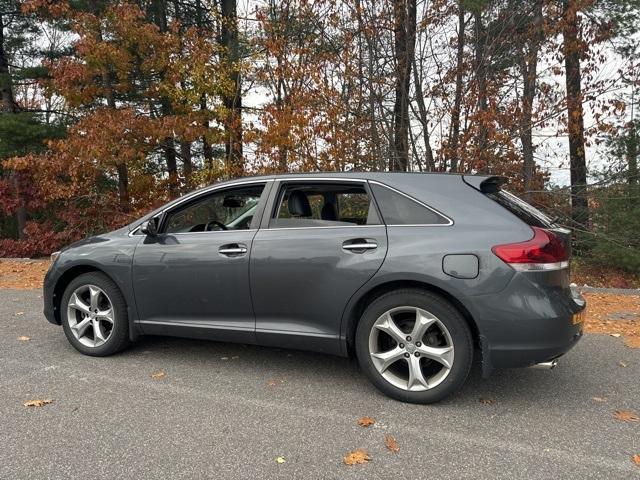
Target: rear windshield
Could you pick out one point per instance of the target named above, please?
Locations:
(521, 209)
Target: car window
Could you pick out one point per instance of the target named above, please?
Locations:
(324, 205)
(521, 209)
(228, 209)
(398, 209)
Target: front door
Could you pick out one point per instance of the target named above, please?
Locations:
(322, 241)
(193, 278)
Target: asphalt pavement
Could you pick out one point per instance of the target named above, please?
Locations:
(227, 411)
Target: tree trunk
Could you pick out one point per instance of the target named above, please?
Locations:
(232, 100)
(481, 83)
(632, 154)
(187, 165)
(207, 151)
(122, 169)
(579, 204)
(422, 110)
(6, 90)
(529, 72)
(7, 107)
(404, 12)
(168, 145)
(123, 185)
(454, 140)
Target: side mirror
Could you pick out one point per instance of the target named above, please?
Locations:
(149, 228)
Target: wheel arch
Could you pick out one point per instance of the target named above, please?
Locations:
(357, 307)
(66, 278)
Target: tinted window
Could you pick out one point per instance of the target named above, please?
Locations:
(229, 209)
(398, 209)
(521, 209)
(320, 205)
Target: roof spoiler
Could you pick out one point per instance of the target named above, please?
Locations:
(485, 184)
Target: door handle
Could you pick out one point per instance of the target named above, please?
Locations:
(359, 245)
(233, 249)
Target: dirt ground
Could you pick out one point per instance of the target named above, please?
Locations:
(607, 314)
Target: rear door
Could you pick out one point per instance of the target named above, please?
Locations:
(319, 242)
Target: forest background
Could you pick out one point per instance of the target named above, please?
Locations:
(110, 108)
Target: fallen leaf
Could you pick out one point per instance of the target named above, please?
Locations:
(280, 460)
(622, 364)
(391, 443)
(599, 399)
(366, 421)
(19, 314)
(356, 457)
(38, 402)
(273, 382)
(636, 459)
(158, 375)
(615, 335)
(487, 401)
(626, 416)
(24, 338)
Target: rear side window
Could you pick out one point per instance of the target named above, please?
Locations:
(397, 209)
(324, 205)
(521, 209)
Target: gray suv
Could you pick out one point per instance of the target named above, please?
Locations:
(414, 274)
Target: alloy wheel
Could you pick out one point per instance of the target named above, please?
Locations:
(411, 348)
(90, 315)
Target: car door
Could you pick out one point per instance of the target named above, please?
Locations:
(192, 278)
(319, 242)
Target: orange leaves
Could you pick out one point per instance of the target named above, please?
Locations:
(38, 402)
(356, 457)
(366, 421)
(636, 459)
(391, 443)
(626, 416)
(158, 375)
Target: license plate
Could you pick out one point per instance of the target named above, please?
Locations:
(579, 317)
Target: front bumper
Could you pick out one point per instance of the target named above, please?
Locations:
(48, 296)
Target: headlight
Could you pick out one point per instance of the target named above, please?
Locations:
(54, 256)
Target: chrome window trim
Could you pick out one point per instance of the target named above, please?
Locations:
(212, 189)
(321, 228)
(308, 179)
(214, 231)
(362, 181)
(202, 192)
(440, 214)
(321, 179)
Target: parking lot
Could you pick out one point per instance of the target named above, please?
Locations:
(229, 411)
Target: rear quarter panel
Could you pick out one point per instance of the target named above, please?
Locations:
(416, 252)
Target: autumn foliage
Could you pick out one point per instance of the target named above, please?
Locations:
(126, 104)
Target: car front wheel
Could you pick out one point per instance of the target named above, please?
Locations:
(414, 346)
(94, 315)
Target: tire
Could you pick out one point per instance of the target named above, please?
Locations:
(113, 335)
(445, 336)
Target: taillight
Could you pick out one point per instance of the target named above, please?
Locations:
(545, 251)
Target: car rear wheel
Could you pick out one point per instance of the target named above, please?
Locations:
(94, 315)
(414, 346)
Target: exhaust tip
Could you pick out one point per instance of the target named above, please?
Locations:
(546, 365)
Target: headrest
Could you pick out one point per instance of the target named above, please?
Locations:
(299, 204)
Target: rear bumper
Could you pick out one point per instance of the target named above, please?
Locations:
(527, 324)
(530, 354)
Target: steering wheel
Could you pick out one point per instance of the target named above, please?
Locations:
(211, 223)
